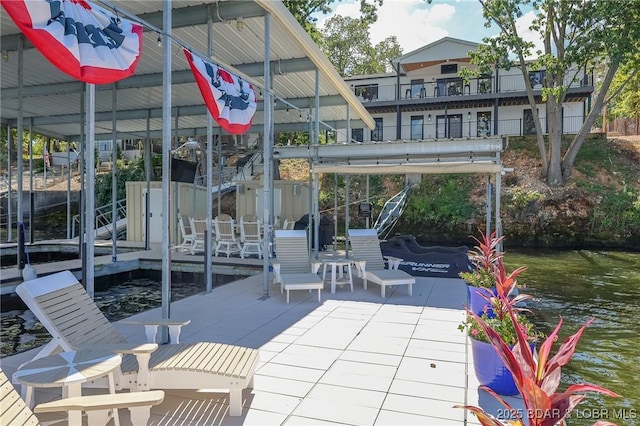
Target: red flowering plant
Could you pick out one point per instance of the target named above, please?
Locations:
(537, 378)
(484, 256)
(501, 303)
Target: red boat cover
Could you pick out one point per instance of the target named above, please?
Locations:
(83, 40)
(231, 101)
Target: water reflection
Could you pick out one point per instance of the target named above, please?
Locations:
(577, 286)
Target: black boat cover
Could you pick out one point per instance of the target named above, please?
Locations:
(433, 261)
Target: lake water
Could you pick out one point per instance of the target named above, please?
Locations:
(576, 285)
(579, 285)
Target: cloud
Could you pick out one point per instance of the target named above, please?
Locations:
(413, 26)
(522, 24)
(416, 23)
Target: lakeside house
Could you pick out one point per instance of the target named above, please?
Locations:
(426, 98)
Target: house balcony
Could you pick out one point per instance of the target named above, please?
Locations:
(455, 89)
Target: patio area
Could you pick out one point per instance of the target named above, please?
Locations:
(354, 359)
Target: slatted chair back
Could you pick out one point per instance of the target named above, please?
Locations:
(226, 240)
(366, 246)
(224, 225)
(13, 410)
(288, 224)
(250, 218)
(250, 236)
(187, 235)
(198, 228)
(292, 251)
(68, 312)
(250, 231)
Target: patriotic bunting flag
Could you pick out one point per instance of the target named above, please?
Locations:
(83, 40)
(230, 100)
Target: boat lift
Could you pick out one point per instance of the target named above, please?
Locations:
(390, 213)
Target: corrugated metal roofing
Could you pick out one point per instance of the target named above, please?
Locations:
(52, 100)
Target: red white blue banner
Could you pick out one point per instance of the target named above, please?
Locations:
(83, 40)
(230, 100)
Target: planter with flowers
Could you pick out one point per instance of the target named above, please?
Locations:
(537, 378)
(490, 370)
(481, 282)
(512, 338)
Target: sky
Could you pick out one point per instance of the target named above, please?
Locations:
(416, 23)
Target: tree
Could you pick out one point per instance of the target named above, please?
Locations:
(625, 97)
(304, 11)
(346, 42)
(576, 34)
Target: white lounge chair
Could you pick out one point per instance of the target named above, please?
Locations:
(15, 412)
(365, 246)
(74, 321)
(292, 268)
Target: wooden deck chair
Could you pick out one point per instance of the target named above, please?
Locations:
(15, 412)
(226, 241)
(366, 246)
(74, 321)
(198, 228)
(186, 235)
(292, 268)
(250, 237)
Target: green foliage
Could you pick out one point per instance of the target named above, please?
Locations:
(440, 201)
(295, 138)
(503, 326)
(347, 44)
(103, 183)
(304, 12)
(618, 212)
(601, 155)
(521, 198)
(479, 278)
(575, 35)
(626, 86)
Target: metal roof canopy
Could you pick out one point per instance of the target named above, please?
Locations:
(436, 156)
(257, 39)
(52, 101)
(473, 155)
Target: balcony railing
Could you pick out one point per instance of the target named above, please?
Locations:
(455, 128)
(456, 86)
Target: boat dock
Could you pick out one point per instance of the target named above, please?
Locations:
(353, 359)
(131, 256)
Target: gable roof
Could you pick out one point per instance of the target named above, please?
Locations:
(444, 50)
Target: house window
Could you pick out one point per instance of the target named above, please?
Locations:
(449, 87)
(376, 134)
(455, 126)
(484, 123)
(449, 69)
(367, 93)
(449, 126)
(417, 127)
(536, 78)
(357, 135)
(417, 89)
